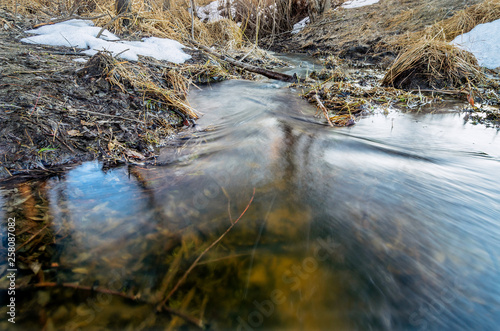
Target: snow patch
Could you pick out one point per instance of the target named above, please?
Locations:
(358, 3)
(484, 42)
(300, 25)
(82, 34)
(211, 12)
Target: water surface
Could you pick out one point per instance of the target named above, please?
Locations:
(391, 224)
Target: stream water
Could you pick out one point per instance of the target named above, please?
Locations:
(391, 224)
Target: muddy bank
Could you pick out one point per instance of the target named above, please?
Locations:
(57, 112)
(60, 108)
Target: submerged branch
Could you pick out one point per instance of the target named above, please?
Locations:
(195, 263)
(190, 319)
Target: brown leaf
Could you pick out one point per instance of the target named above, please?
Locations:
(74, 133)
(134, 154)
(82, 122)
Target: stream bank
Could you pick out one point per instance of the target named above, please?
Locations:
(57, 117)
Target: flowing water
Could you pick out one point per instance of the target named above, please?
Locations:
(391, 224)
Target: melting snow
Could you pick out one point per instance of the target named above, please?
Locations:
(82, 34)
(484, 42)
(358, 3)
(211, 12)
(300, 25)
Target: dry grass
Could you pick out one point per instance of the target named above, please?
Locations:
(261, 18)
(161, 92)
(147, 18)
(446, 30)
(226, 32)
(465, 20)
(433, 63)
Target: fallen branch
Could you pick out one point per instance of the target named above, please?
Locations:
(195, 263)
(323, 108)
(190, 319)
(449, 92)
(108, 115)
(264, 72)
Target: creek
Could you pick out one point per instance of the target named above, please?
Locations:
(393, 223)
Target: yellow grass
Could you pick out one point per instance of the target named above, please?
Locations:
(462, 22)
(147, 18)
(465, 20)
(433, 63)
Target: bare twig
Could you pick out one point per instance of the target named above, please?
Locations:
(193, 13)
(115, 116)
(36, 102)
(111, 22)
(323, 108)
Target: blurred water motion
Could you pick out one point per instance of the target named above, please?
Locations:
(390, 224)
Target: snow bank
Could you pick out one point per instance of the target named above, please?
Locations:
(300, 25)
(358, 3)
(82, 34)
(484, 42)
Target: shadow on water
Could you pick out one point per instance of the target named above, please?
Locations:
(391, 224)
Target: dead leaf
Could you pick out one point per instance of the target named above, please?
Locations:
(80, 271)
(134, 154)
(74, 133)
(82, 122)
(35, 267)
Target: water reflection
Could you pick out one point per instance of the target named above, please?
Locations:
(391, 224)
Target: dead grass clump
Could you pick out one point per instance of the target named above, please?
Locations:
(338, 98)
(225, 32)
(205, 74)
(166, 91)
(334, 75)
(260, 18)
(432, 63)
